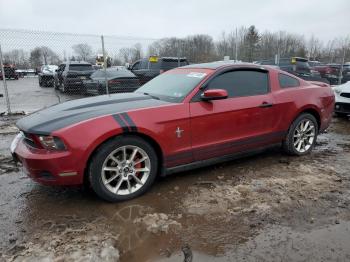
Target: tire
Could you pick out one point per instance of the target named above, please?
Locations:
(40, 83)
(120, 184)
(296, 135)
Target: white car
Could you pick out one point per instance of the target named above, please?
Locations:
(342, 99)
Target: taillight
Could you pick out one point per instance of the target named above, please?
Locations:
(114, 81)
(328, 71)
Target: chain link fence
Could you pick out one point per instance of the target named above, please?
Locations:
(41, 69)
(45, 68)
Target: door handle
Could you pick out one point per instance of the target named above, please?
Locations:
(266, 104)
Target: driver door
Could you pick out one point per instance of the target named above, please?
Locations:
(242, 121)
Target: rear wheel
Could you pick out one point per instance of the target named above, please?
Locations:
(123, 168)
(302, 135)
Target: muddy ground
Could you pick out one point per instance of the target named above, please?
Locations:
(267, 207)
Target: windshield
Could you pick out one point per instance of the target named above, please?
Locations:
(173, 86)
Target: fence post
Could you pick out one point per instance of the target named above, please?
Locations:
(341, 68)
(4, 82)
(104, 62)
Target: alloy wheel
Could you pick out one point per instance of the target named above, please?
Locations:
(126, 170)
(304, 135)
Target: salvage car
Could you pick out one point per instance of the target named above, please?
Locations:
(342, 99)
(297, 66)
(46, 75)
(185, 118)
(146, 69)
(70, 76)
(10, 72)
(119, 81)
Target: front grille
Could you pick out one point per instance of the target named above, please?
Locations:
(29, 140)
(347, 95)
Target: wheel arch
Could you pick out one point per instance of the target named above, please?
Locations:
(312, 111)
(147, 138)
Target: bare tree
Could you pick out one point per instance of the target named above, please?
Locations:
(84, 51)
(43, 55)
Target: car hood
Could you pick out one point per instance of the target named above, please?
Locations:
(344, 87)
(45, 121)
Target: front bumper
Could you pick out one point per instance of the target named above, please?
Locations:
(46, 167)
(342, 108)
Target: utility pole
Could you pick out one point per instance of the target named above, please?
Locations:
(4, 82)
(236, 47)
(104, 63)
(342, 67)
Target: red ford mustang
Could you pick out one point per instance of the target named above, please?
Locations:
(185, 118)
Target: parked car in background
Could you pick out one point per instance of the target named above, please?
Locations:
(342, 99)
(70, 76)
(119, 81)
(46, 75)
(330, 72)
(10, 72)
(185, 118)
(346, 73)
(146, 69)
(297, 66)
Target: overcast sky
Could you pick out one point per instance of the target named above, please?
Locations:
(163, 18)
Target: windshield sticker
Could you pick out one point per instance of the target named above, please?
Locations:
(196, 74)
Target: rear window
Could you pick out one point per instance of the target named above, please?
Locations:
(112, 73)
(288, 81)
(169, 64)
(80, 67)
(164, 64)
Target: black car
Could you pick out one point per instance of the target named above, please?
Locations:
(146, 69)
(346, 73)
(10, 72)
(70, 76)
(297, 66)
(46, 75)
(119, 81)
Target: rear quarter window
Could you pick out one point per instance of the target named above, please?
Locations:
(287, 81)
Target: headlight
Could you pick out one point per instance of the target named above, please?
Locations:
(51, 142)
(338, 91)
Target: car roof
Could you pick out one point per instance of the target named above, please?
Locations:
(223, 64)
(78, 63)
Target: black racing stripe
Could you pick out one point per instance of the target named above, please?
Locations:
(122, 124)
(130, 122)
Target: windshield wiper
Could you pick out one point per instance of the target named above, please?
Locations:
(153, 96)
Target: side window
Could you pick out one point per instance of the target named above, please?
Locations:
(241, 83)
(144, 64)
(287, 81)
(136, 66)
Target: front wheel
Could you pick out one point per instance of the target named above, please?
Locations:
(123, 168)
(302, 135)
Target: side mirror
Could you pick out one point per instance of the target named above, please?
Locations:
(214, 94)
